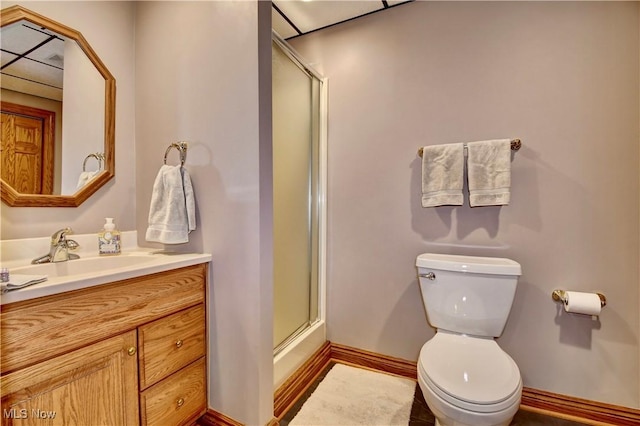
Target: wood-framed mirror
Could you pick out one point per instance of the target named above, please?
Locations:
(47, 161)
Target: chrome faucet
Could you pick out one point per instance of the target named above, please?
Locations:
(59, 250)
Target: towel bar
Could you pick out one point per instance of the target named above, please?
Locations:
(516, 144)
(181, 147)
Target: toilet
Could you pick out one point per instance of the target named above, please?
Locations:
(465, 377)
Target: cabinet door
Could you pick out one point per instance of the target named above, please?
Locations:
(95, 385)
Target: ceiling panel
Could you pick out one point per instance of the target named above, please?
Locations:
(32, 60)
(296, 17)
(281, 26)
(310, 15)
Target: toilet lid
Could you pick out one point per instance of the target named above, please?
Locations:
(470, 369)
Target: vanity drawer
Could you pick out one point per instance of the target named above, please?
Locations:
(178, 400)
(170, 343)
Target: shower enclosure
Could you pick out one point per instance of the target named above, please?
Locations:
(298, 207)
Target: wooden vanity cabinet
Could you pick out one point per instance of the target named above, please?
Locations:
(126, 353)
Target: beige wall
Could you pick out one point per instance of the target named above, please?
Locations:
(201, 78)
(561, 76)
(110, 36)
(83, 112)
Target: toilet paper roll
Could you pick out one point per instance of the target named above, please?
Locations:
(582, 303)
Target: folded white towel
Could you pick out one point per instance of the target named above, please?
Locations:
(489, 170)
(17, 281)
(442, 175)
(172, 214)
(85, 177)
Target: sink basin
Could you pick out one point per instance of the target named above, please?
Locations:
(84, 265)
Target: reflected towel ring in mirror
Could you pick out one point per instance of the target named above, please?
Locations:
(181, 147)
(98, 156)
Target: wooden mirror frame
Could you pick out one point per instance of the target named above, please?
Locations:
(16, 199)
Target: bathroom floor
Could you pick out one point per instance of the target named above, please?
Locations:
(422, 416)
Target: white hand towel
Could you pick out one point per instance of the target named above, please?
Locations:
(18, 281)
(85, 177)
(489, 170)
(442, 175)
(172, 212)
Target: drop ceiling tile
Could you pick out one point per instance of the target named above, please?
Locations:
(7, 57)
(281, 26)
(19, 38)
(311, 15)
(36, 72)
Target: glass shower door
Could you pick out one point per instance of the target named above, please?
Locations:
(295, 185)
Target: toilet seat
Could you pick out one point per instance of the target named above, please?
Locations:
(472, 373)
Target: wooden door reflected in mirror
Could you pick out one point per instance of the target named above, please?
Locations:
(27, 148)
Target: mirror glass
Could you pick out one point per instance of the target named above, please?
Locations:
(58, 108)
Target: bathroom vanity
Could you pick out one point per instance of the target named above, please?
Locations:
(124, 352)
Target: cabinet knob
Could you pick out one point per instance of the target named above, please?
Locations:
(180, 402)
(179, 344)
(132, 350)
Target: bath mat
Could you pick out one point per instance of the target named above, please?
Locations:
(355, 396)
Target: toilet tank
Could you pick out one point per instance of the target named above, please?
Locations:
(467, 294)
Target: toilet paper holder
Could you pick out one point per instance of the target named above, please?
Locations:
(559, 296)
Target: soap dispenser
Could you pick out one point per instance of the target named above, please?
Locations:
(109, 238)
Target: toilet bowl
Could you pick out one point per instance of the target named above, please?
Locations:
(465, 377)
(468, 381)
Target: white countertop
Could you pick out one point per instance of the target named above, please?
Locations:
(88, 271)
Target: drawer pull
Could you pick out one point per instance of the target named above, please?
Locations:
(180, 402)
(132, 351)
(179, 344)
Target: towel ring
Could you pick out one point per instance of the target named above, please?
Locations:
(181, 147)
(98, 156)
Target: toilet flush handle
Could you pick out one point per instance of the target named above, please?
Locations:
(428, 275)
